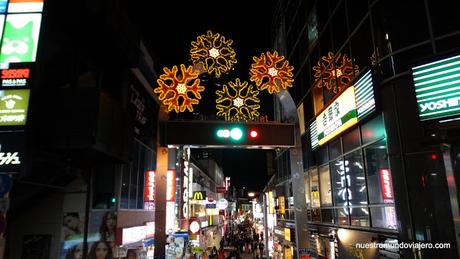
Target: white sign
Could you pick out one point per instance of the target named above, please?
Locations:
(194, 227)
(338, 116)
(9, 158)
(134, 234)
(222, 204)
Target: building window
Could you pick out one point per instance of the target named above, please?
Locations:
(307, 189)
(325, 185)
(314, 185)
(133, 177)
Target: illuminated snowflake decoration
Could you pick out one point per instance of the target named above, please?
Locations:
(179, 92)
(271, 72)
(238, 102)
(334, 72)
(214, 53)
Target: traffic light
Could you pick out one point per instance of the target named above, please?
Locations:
(221, 134)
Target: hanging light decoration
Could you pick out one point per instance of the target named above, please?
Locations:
(238, 102)
(214, 53)
(271, 71)
(334, 72)
(179, 91)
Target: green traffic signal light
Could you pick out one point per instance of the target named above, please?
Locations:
(235, 133)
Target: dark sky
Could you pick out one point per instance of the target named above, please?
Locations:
(170, 26)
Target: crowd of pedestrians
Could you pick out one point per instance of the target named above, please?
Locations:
(243, 239)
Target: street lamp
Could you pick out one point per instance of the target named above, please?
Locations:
(251, 194)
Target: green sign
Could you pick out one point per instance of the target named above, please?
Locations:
(437, 88)
(13, 107)
(20, 38)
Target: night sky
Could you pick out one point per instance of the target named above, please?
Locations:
(168, 31)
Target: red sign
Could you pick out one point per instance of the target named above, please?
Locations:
(149, 190)
(15, 73)
(221, 189)
(171, 186)
(385, 184)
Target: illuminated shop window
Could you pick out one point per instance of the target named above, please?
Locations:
(133, 178)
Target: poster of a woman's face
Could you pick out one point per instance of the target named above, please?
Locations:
(108, 225)
(100, 250)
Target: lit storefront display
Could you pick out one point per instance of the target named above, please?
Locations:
(351, 183)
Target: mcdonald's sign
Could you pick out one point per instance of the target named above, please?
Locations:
(199, 196)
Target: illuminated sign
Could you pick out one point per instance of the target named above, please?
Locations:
(171, 185)
(222, 204)
(337, 117)
(287, 234)
(3, 4)
(227, 182)
(282, 204)
(149, 192)
(20, 38)
(9, 158)
(221, 189)
(14, 77)
(355, 103)
(437, 88)
(194, 226)
(364, 90)
(133, 234)
(199, 196)
(271, 202)
(13, 107)
(23, 6)
(385, 184)
(279, 231)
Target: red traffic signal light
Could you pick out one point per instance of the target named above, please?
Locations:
(253, 133)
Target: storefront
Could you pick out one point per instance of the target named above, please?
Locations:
(348, 182)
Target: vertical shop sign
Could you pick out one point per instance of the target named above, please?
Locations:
(385, 183)
(171, 185)
(149, 191)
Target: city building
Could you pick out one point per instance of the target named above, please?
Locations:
(375, 90)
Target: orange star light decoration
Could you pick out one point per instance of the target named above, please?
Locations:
(214, 53)
(270, 72)
(239, 103)
(179, 92)
(335, 72)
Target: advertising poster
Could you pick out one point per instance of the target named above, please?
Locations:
(13, 107)
(101, 234)
(72, 235)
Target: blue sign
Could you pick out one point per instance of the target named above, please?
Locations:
(211, 206)
(3, 4)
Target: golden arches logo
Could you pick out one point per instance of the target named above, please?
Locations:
(199, 196)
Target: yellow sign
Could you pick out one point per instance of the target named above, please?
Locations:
(282, 204)
(287, 234)
(271, 201)
(199, 196)
(337, 117)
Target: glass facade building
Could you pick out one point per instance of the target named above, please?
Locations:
(374, 169)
